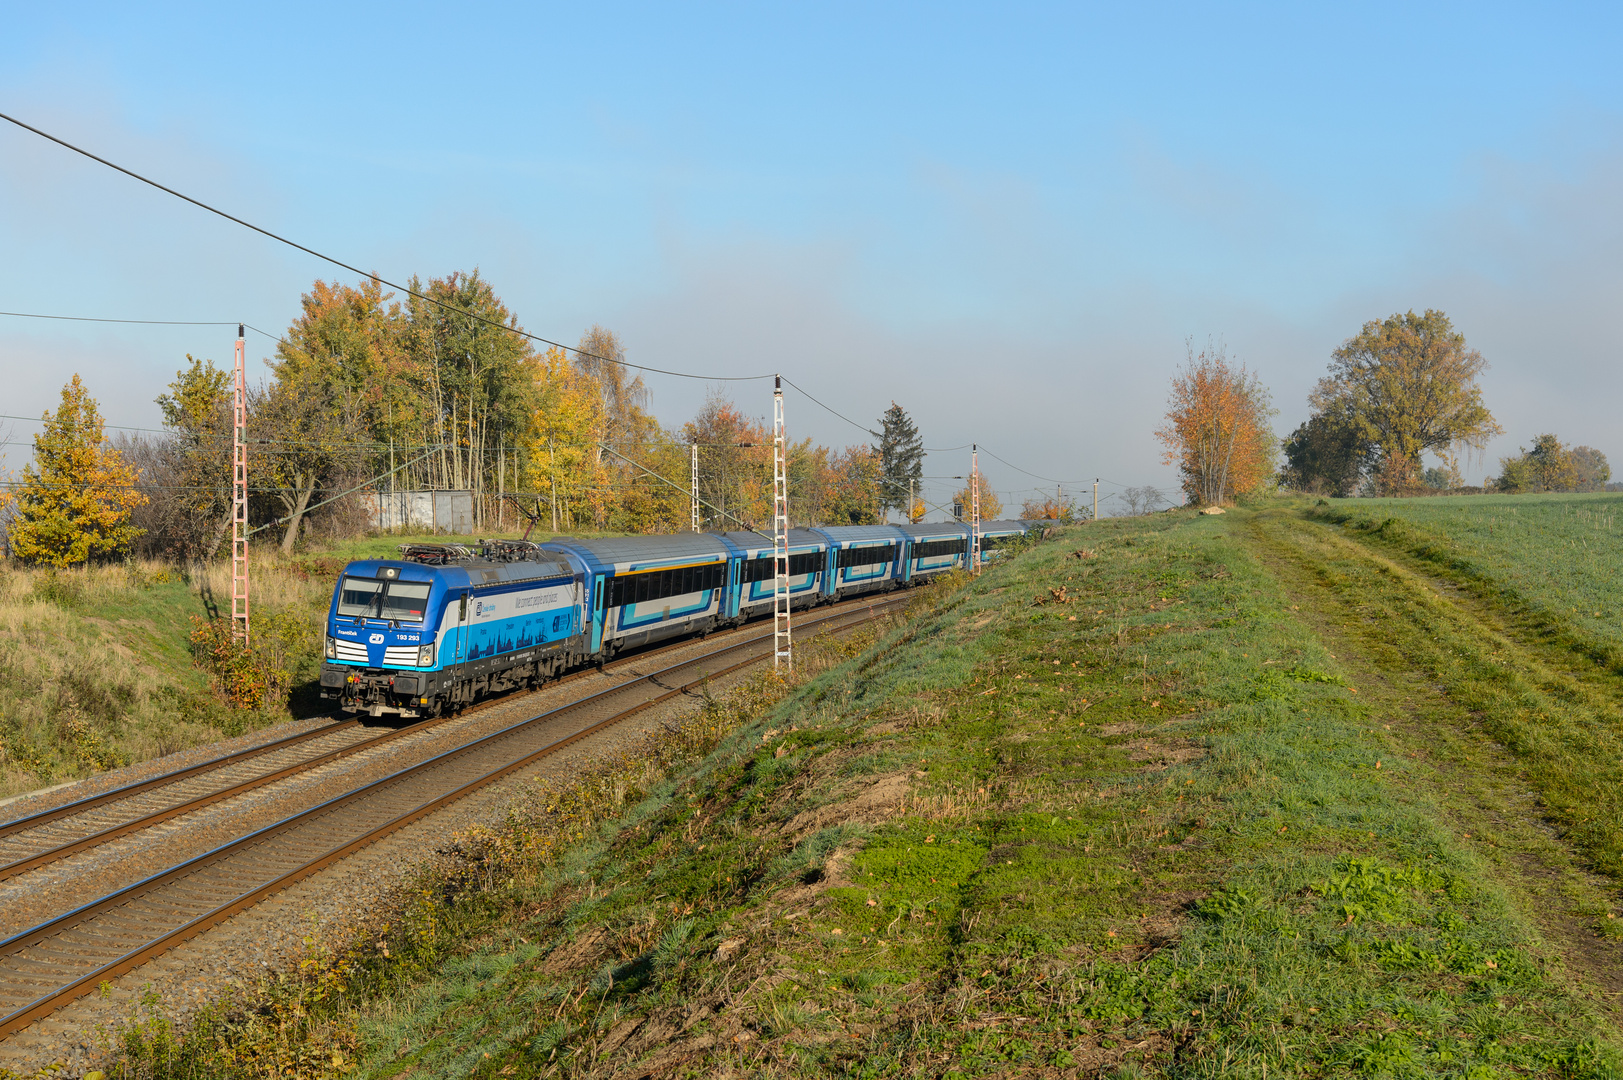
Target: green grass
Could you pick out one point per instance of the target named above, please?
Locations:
(1502, 641)
(1193, 846)
(1551, 557)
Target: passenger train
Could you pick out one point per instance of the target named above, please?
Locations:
(443, 625)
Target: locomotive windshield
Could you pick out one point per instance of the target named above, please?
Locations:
(405, 600)
(402, 601)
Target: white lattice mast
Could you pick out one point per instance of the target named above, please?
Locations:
(695, 504)
(782, 644)
(239, 500)
(974, 509)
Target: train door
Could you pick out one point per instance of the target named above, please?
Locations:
(907, 561)
(461, 632)
(735, 579)
(599, 600)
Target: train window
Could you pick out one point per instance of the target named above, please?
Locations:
(359, 597)
(405, 601)
(936, 548)
(867, 556)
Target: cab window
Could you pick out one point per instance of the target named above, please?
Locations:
(405, 600)
(359, 597)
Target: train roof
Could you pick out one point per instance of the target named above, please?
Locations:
(847, 534)
(1003, 527)
(642, 548)
(753, 541)
(938, 528)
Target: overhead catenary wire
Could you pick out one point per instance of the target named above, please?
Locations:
(357, 270)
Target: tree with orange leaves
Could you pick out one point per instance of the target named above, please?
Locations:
(1217, 428)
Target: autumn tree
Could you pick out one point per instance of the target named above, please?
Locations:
(479, 372)
(991, 505)
(1405, 386)
(564, 466)
(735, 463)
(1056, 507)
(1590, 469)
(185, 473)
(1551, 466)
(1217, 428)
(76, 496)
(901, 459)
(855, 477)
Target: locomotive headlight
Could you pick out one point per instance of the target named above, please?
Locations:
(332, 648)
(425, 655)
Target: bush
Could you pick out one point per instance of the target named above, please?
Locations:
(252, 676)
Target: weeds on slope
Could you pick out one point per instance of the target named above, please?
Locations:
(1141, 825)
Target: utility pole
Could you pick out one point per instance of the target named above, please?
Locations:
(696, 488)
(975, 508)
(1095, 498)
(783, 649)
(239, 499)
(908, 513)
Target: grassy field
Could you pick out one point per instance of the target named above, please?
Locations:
(1177, 795)
(1551, 557)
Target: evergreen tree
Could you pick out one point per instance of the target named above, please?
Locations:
(75, 500)
(901, 459)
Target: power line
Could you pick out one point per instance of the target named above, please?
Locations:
(356, 270)
(863, 427)
(141, 322)
(421, 296)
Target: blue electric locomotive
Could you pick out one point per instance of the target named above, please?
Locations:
(413, 638)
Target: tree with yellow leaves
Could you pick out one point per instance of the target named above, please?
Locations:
(75, 500)
(564, 464)
(991, 505)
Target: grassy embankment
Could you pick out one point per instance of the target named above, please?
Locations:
(1108, 808)
(97, 669)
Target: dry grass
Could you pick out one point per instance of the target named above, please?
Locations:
(96, 670)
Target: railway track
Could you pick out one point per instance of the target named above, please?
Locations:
(53, 963)
(30, 842)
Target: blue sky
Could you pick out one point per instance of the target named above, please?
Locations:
(1007, 218)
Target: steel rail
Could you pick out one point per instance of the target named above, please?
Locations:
(72, 847)
(18, 945)
(91, 801)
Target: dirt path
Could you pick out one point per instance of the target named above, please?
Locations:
(1380, 618)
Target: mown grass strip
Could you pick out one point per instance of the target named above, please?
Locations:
(1562, 727)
